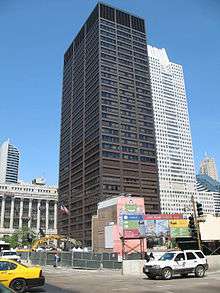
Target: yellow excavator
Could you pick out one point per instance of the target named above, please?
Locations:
(46, 238)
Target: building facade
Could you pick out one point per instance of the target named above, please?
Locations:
(206, 198)
(9, 163)
(28, 205)
(208, 167)
(107, 127)
(213, 186)
(112, 222)
(173, 136)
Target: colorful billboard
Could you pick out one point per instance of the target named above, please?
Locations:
(163, 216)
(179, 228)
(166, 225)
(179, 223)
(157, 227)
(131, 217)
(179, 232)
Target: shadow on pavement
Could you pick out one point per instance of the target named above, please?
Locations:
(51, 289)
(173, 278)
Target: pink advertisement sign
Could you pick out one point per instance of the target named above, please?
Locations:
(163, 216)
(130, 215)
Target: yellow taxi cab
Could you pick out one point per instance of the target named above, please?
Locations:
(19, 277)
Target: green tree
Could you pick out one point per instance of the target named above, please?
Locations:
(21, 237)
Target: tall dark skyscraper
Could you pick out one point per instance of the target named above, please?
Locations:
(107, 128)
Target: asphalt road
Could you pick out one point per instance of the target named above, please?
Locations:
(106, 281)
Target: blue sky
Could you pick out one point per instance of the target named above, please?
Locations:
(33, 38)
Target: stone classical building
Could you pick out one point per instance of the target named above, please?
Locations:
(27, 205)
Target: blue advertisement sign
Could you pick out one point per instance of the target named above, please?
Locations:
(133, 217)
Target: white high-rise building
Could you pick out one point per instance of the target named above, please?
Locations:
(173, 136)
(9, 163)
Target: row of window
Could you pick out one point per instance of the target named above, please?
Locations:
(137, 62)
(123, 53)
(123, 28)
(142, 100)
(124, 37)
(113, 107)
(122, 32)
(135, 46)
(129, 134)
(128, 149)
(113, 155)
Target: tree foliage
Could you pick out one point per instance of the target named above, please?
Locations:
(21, 237)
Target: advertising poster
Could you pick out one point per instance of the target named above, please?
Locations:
(157, 227)
(150, 227)
(163, 216)
(179, 228)
(162, 227)
(130, 224)
(130, 216)
(179, 232)
(166, 225)
(179, 223)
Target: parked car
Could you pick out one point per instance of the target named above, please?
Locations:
(177, 263)
(10, 254)
(19, 277)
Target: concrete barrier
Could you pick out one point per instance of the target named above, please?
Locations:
(214, 263)
(133, 267)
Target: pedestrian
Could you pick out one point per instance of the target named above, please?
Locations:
(56, 260)
(146, 256)
(151, 256)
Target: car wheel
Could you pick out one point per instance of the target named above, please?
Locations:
(199, 271)
(151, 277)
(18, 285)
(167, 273)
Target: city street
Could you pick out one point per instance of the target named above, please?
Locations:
(80, 281)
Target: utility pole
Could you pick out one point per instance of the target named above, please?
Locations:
(196, 222)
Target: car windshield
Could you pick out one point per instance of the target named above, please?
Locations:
(167, 256)
(9, 253)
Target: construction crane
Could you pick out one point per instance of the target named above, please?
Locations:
(46, 238)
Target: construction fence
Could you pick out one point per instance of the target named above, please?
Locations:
(81, 260)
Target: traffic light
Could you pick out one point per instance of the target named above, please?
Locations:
(199, 209)
(192, 227)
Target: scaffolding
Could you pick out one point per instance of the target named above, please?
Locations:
(140, 245)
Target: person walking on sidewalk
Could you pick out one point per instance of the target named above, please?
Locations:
(56, 259)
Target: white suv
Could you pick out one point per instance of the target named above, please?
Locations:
(177, 263)
(10, 254)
